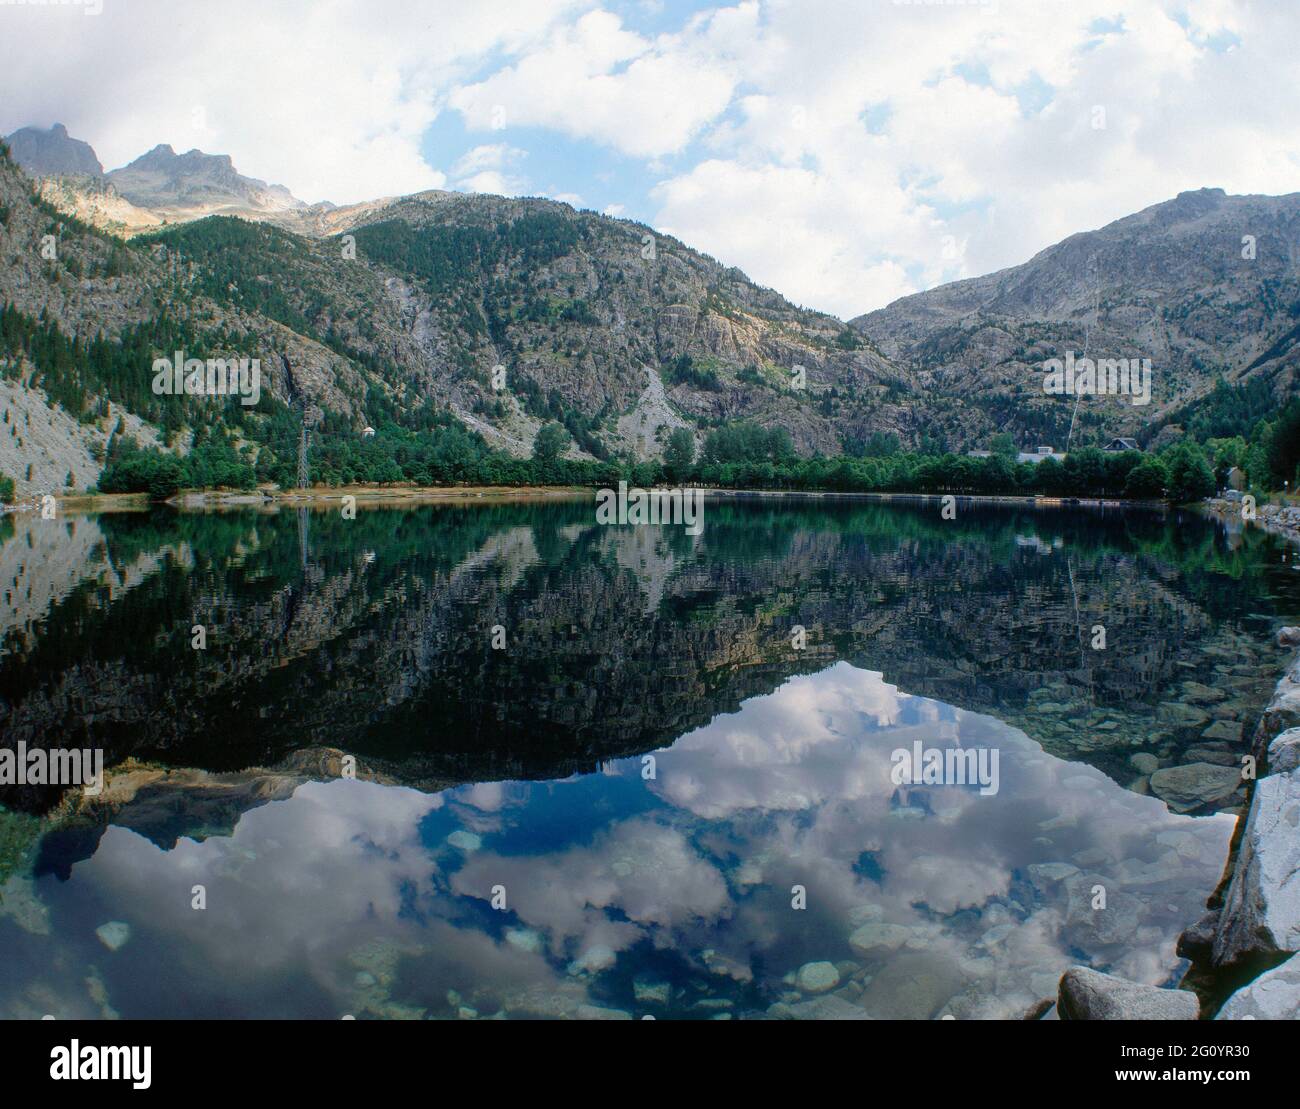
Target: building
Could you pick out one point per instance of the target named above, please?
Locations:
(1037, 455)
(1118, 446)
(368, 433)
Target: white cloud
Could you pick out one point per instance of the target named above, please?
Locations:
(843, 153)
(487, 169)
(596, 80)
(985, 151)
(330, 100)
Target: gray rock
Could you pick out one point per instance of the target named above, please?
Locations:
(1284, 752)
(1211, 754)
(598, 1012)
(1283, 709)
(1272, 996)
(1144, 763)
(1227, 731)
(1197, 942)
(1198, 694)
(1175, 714)
(913, 987)
(114, 934)
(876, 936)
(1288, 637)
(827, 1007)
(818, 977)
(1184, 788)
(1261, 911)
(646, 990)
(1087, 994)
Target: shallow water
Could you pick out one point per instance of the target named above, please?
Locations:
(651, 800)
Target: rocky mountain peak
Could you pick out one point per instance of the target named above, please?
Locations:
(53, 152)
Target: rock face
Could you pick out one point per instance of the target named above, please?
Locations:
(1090, 995)
(1272, 996)
(196, 184)
(1260, 917)
(1283, 711)
(1261, 911)
(1169, 259)
(53, 153)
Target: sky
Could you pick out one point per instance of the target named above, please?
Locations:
(843, 152)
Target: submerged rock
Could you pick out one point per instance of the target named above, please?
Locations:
(1176, 714)
(1261, 911)
(648, 990)
(1087, 994)
(876, 936)
(1223, 731)
(598, 1012)
(1272, 996)
(818, 977)
(827, 1007)
(1144, 763)
(114, 934)
(1184, 788)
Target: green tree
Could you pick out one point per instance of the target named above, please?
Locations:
(680, 451)
(1147, 480)
(551, 442)
(1003, 445)
(1283, 445)
(1190, 476)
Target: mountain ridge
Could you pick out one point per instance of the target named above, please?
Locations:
(624, 334)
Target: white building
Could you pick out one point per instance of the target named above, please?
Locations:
(1037, 455)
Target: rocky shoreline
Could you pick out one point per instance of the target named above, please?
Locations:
(1281, 520)
(1243, 951)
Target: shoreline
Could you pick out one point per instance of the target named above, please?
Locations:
(1242, 952)
(388, 495)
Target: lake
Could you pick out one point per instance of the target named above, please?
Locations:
(478, 760)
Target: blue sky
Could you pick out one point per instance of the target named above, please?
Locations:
(844, 152)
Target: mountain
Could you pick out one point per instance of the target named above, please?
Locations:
(1205, 285)
(493, 316)
(194, 184)
(617, 331)
(44, 153)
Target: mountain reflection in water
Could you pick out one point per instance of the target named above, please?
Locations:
(668, 886)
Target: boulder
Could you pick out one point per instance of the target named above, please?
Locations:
(876, 936)
(1144, 763)
(818, 977)
(1184, 788)
(828, 1006)
(1177, 714)
(1283, 709)
(1288, 637)
(1261, 911)
(1284, 752)
(1197, 942)
(1272, 996)
(1087, 994)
